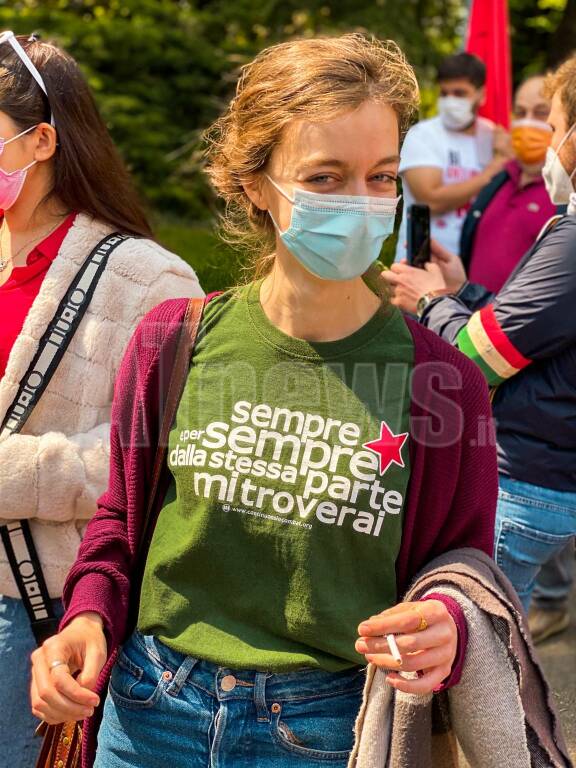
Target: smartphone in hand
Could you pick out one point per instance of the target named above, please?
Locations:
(418, 232)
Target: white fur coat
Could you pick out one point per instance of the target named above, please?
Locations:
(54, 471)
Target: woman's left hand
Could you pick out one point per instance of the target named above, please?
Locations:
(411, 283)
(430, 652)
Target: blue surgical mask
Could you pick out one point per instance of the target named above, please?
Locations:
(337, 237)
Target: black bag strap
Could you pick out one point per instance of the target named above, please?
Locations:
(27, 571)
(16, 535)
(58, 335)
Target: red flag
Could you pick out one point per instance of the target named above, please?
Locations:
(489, 38)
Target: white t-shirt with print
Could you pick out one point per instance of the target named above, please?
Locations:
(460, 156)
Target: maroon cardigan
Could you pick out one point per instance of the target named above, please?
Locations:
(451, 497)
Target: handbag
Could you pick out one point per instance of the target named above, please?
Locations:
(62, 744)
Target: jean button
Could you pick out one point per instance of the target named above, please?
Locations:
(228, 683)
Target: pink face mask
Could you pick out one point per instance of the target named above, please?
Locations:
(11, 183)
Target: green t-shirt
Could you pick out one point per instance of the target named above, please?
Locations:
(281, 529)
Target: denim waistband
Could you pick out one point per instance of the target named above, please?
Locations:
(227, 683)
(538, 496)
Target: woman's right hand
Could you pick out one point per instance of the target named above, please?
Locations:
(55, 694)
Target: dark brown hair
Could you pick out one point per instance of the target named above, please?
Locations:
(89, 174)
(465, 66)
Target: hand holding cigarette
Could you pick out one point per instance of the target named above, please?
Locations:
(394, 650)
(411, 637)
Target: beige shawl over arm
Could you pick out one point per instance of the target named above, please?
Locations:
(500, 714)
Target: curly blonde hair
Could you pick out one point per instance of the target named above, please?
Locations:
(312, 79)
(564, 80)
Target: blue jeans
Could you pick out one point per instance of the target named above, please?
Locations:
(532, 525)
(18, 747)
(167, 709)
(555, 581)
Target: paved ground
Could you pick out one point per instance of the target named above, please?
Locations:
(558, 657)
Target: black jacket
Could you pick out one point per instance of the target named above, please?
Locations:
(535, 313)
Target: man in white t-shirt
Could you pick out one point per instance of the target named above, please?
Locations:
(445, 161)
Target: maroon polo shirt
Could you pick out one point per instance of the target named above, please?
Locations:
(508, 228)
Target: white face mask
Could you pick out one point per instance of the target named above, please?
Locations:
(556, 178)
(456, 112)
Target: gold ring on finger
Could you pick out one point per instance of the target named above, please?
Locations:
(423, 623)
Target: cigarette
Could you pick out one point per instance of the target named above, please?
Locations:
(394, 648)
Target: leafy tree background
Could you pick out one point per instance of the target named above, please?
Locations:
(162, 70)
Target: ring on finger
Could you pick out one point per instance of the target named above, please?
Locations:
(423, 623)
(57, 663)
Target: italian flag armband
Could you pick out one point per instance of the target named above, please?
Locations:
(484, 342)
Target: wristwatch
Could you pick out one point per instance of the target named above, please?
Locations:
(424, 300)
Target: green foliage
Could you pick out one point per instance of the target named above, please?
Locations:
(217, 266)
(155, 76)
(162, 70)
(542, 34)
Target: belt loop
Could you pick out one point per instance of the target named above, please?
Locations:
(260, 697)
(150, 645)
(181, 675)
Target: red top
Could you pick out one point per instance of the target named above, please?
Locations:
(18, 293)
(508, 228)
(451, 500)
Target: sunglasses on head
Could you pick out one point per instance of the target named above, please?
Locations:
(10, 38)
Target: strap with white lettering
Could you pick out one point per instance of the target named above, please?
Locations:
(23, 559)
(58, 335)
(16, 535)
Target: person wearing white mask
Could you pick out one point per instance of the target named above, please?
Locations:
(524, 340)
(560, 166)
(448, 159)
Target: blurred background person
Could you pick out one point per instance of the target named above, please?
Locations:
(524, 341)
(501, 225)
(509, 212)
(448, 159)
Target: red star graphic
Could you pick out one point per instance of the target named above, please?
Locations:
(388, 447)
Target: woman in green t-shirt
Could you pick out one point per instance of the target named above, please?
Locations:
(272, 574)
